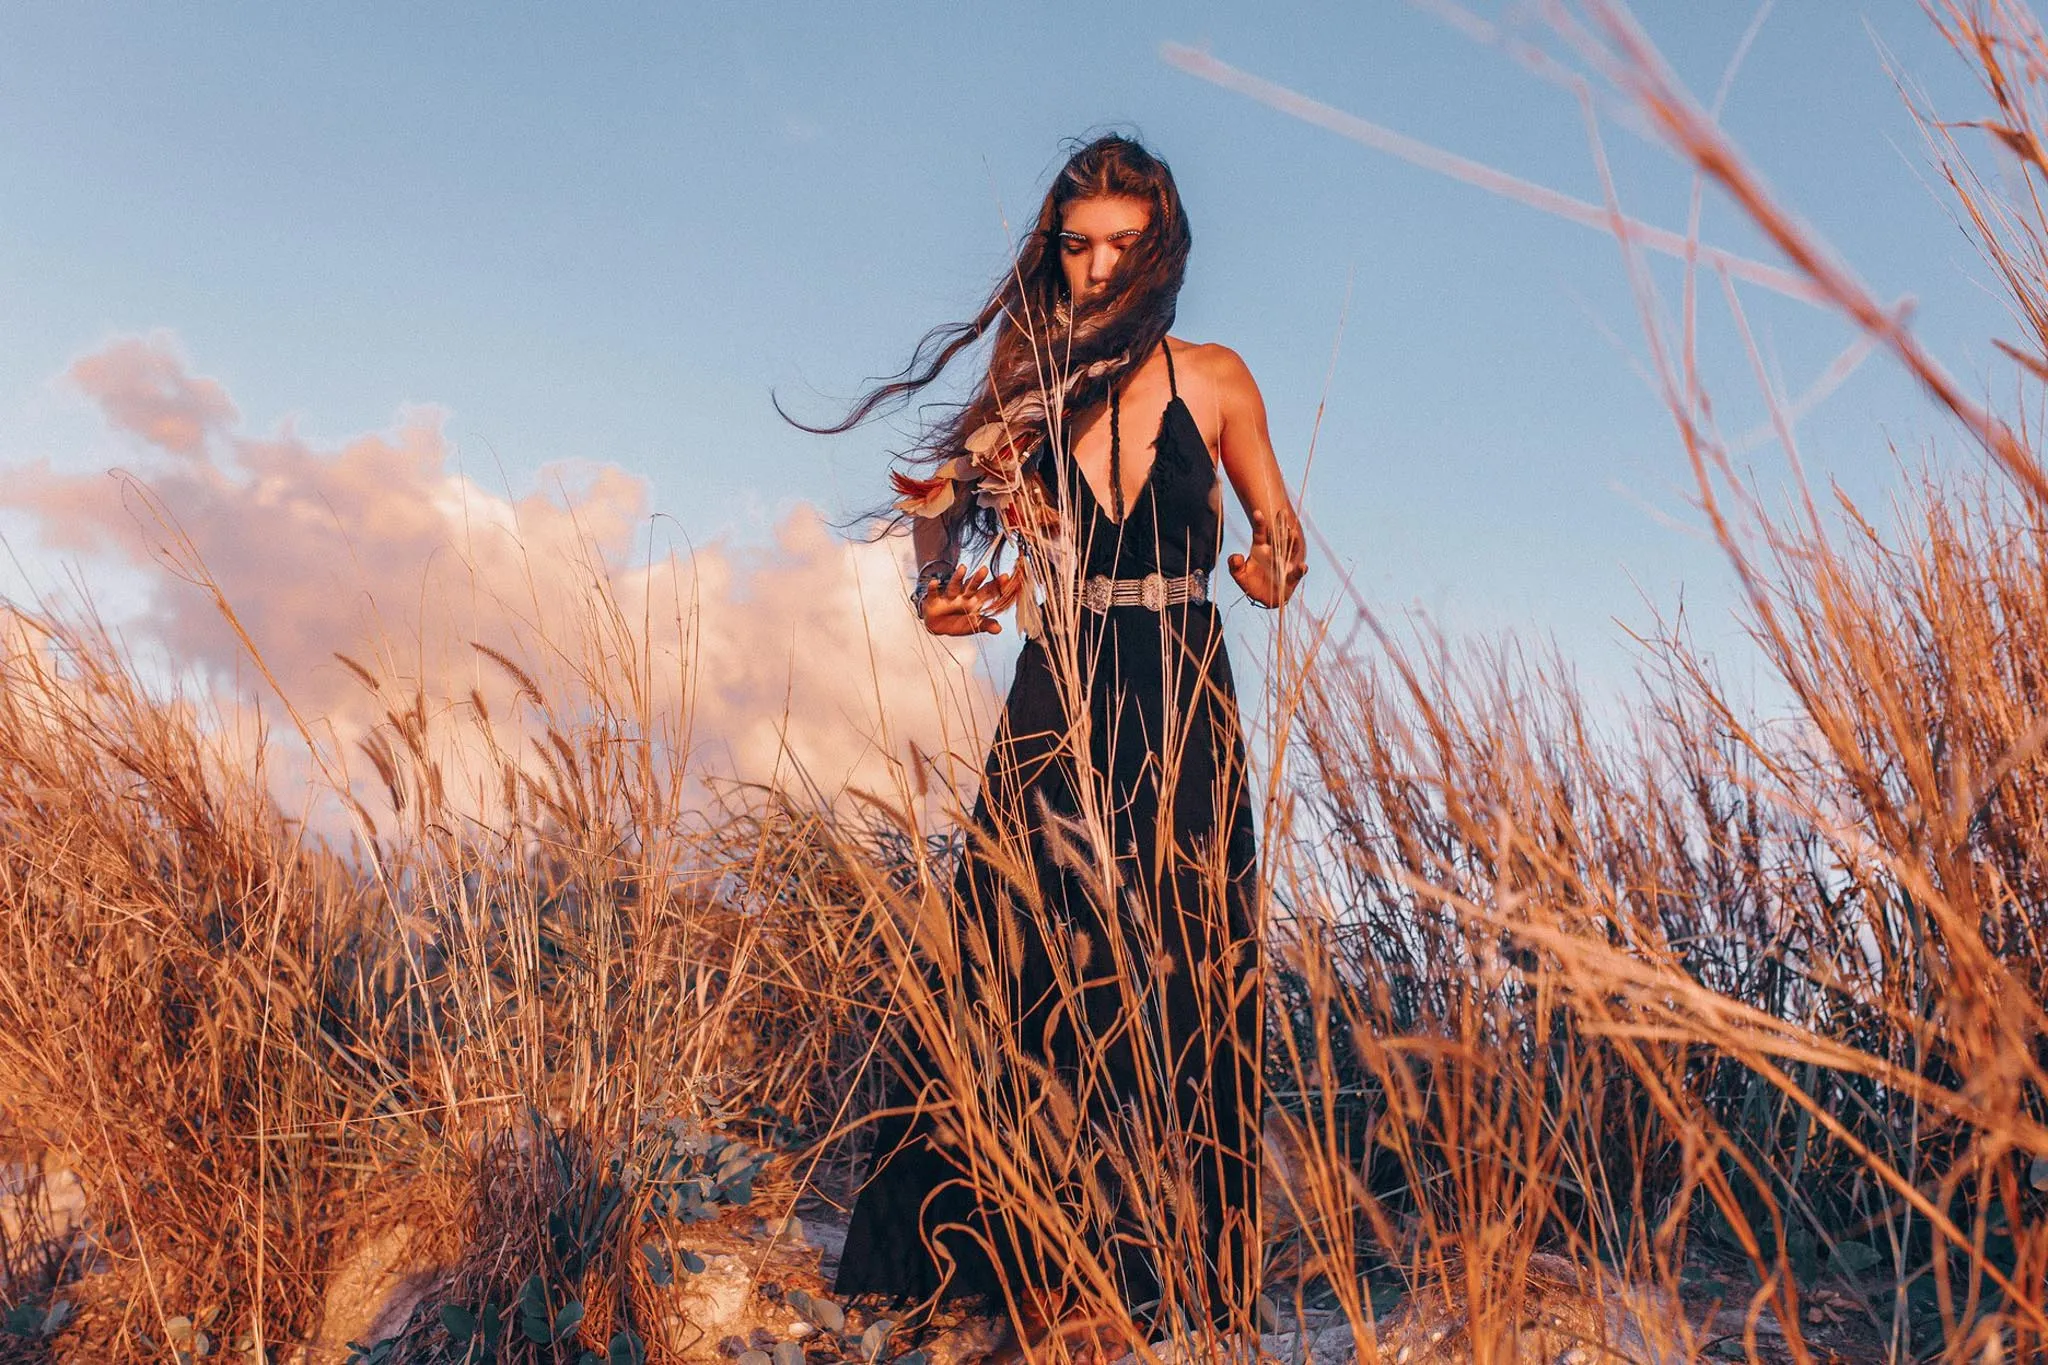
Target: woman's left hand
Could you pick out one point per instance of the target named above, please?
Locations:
(1276, 563)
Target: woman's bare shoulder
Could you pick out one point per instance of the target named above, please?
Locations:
(1223, 368)
(1213, 361)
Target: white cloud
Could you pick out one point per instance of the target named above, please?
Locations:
(380, 549)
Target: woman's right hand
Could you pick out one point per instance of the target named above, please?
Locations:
(966, 604)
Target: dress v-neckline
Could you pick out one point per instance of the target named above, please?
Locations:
(1144, 484)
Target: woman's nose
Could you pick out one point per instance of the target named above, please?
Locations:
(1101, 265)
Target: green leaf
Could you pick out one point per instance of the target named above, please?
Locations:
(569, 1319)
(59, 1314)
(828, 1315)
(534, 1318)
(787, 1353)
(1802, 1248)
(537, 1328)
(658, 1268)
(2037, 1174)
(1854, 1258)
(459, 1322)
(693, 1263)
(871, 1341)
(625, 1349)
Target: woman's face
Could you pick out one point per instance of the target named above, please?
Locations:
(1094, 234)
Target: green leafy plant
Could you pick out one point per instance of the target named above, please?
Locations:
(693, 1176)
(32, 1319)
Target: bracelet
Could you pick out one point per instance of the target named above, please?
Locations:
(932, 572)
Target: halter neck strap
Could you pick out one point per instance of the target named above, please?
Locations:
(1116, 464)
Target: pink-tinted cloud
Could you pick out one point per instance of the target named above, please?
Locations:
(800, 654)
(142, 386)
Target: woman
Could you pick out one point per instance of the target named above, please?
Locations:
(1105, 908)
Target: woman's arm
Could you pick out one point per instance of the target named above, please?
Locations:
(1278, 558)
(931, 538)
(964, 604)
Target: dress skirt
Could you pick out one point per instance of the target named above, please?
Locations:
(1107, 1022)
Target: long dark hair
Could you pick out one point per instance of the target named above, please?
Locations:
(1047, 367)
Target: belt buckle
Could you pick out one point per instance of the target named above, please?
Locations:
(1198, 586)
(1152, 592)
(1095, 593)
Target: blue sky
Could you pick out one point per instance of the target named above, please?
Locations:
(605, 233)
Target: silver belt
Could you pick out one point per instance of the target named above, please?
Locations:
(1154, 592)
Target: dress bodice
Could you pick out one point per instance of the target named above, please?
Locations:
(1171, 526)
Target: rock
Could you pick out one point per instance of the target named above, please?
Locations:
(41, 1202)
(1329, 1342)
(1230, 1350)
(371, 1294)
(708, 1306)
(1729, 1330)
(828, 1235)
(970, 1340)
(1568, 1315)
(789, 1230)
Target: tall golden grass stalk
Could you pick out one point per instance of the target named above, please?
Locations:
(1562, 1003)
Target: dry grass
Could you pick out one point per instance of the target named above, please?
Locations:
(255, 1050)
(1556, 1008)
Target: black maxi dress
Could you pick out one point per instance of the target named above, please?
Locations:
(1178, 1031)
